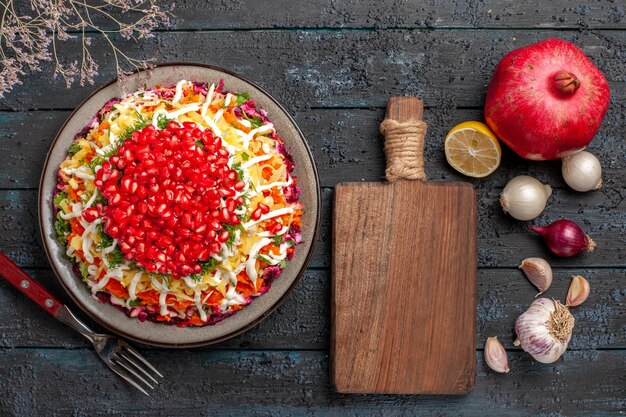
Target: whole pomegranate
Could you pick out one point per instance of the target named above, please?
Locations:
(546, 100)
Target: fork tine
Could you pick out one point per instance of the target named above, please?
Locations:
(121, 361)
(125, 377)
(138, 356)
(124, 354)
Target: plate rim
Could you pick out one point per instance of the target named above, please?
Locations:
(233, 333)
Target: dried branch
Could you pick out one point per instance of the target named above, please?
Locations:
(27, 41)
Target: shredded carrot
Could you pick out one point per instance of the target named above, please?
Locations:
(77, 228)
(267, 172)
(70, 191)
(115, 287)
(232, 119)
(215, 298)
(150, 297)
(195, 320)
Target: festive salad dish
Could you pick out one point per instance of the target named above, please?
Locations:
(177, 204)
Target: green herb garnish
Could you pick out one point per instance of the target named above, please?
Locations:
(95, 162)
(162, 121)
(255, 121)
(263, 259)
(62, 228)
(115, 258)
(105, 240)
(199, 144)
(244, 156)
(237, 168)
(209, 266)
(139, 124)
(277, 240)
(60, 197)
(83, 270)
(282, 264)
(242, 98)
(74, 149)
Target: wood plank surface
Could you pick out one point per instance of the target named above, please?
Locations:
(194, 14)
(371, 14)
(60, 382)
(403, 292)
(312, 68)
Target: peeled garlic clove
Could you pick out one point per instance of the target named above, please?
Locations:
(495, 355)
(545, 329)
(524, 197)
(578, 292)
(539, 272)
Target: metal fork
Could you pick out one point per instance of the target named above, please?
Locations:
(122, 358)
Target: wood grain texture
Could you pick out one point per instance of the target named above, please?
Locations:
(61, 382)
(194, 15)
(371, 14)
(311, 68)
(403, 306)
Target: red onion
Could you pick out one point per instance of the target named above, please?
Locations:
(565, 238)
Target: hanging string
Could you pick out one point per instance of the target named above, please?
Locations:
(404, 149)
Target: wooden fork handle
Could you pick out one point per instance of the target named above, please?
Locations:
(28, 286)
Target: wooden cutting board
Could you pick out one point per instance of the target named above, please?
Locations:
(404, 277)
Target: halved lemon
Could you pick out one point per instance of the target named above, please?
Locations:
(473, 149)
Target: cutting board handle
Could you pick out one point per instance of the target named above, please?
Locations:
(404, 133)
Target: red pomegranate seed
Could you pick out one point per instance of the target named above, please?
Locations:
(168, 205)
(256, 214)
(264, 209)
(224, 215)
(115, 199)
(276, 228)
(239, 185)
(90, 214)
(223, 237)
(215, 247)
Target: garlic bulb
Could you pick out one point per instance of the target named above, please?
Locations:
(539, 272)
(544, 330)
(582, 171)
(524, 197)
(495, 355)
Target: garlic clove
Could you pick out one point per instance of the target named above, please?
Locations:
(524, 197)
(539, 272)
(495, 355)
(578, 292)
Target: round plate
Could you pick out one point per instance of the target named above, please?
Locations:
(169, 335)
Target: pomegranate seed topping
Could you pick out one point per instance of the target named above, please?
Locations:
(173, 198)
(276, 228)
(256, 214)
(90, 214)
(264, 209)
(239, 185)
(223, 237)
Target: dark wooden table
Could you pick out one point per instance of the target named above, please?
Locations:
(334, 64)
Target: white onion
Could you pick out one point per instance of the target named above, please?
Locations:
(524, 197)
(582, 171)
